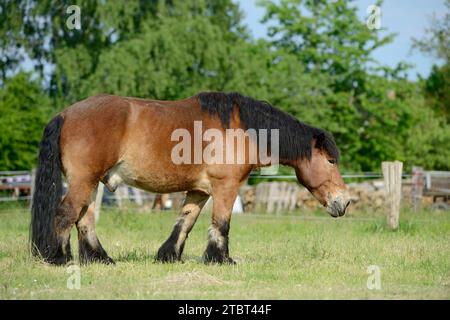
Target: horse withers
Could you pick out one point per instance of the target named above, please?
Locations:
(170, 146)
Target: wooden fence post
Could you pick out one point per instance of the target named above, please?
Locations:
(98, 200)
(392, 173)
(137, 196)
(417, 187)
(33, 181)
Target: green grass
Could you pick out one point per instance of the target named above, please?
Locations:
(278, 257)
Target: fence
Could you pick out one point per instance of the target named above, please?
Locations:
(17, 186)
(272, 197)
(277, 197)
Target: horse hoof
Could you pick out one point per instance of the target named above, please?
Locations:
(167, 255)
(167, 258)
(97, 259)
(219, 260)
(60, 260)
(108, 260)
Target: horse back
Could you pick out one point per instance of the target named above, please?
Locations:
(107, 135)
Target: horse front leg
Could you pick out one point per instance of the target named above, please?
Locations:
(217, 250)
(172, 248)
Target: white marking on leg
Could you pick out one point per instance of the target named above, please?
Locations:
(216, 237)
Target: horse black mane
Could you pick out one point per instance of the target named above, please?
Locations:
(295, 136)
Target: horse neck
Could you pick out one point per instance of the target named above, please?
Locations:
(293, 163)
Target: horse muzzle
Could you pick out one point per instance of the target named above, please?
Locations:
(336, 208)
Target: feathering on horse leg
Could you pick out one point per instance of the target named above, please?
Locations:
(217, 250)
(89, 247)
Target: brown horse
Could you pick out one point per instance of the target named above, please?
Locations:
(113, 139)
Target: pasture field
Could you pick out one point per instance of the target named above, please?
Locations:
(295, 256)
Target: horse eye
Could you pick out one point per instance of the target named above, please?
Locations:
(332, 161)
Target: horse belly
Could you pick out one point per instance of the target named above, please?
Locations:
(160, 180)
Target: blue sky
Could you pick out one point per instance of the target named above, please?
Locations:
(407, 18)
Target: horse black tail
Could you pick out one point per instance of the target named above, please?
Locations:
(47, 192)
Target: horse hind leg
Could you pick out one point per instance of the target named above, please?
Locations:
(73, 206)
(172, 248)
(89, 247)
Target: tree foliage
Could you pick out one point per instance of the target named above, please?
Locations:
(24, 110)
(317, 64)
(436, 42)
(373, 112)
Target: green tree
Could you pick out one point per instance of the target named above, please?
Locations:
(328, 37)
(436, 43)
(24, 110)
(370, 108)
(12, 15)
(317, 65)
(117, 28)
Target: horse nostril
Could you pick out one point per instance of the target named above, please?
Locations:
(337, 208)
(344, 209)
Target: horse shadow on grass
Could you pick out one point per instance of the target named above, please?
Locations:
(147, 256)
